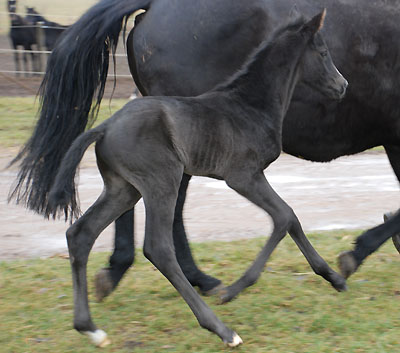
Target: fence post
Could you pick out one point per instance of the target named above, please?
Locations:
(41, 44)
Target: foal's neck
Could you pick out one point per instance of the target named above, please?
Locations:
(267, 81)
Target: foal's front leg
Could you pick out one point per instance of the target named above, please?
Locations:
(257, 190)
(159, 249)
(207, 285)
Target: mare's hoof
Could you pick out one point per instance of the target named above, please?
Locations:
(396, 242)
(236, 340)
(98, 337)
(213, 291)
(103, 284)
(395, 238)
(347, 264)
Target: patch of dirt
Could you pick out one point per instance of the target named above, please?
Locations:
(351, 192)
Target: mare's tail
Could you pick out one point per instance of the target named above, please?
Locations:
(70, 96)
(63, 195)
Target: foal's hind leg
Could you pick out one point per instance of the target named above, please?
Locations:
(257, 190)
(81, 237)
(160, 202)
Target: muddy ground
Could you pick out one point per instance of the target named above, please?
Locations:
(351, 192)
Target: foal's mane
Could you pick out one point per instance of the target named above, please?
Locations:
(262, 48)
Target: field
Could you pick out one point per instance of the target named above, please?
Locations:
(289, 310)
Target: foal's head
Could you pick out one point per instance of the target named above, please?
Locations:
(33, 16)
(318, 69)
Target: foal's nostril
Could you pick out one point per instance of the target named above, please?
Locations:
(344, 88)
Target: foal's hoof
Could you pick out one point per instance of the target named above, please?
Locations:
(98, 337)
(339, 283)
(103, 284)
(347, 264)
(213, 291)
(236, 340)
(226, 295)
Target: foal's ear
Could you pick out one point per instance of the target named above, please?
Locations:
(294, 13)
(315, 24)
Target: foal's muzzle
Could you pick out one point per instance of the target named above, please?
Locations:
(342, 90)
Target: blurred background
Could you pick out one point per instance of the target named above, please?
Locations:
(63, 13)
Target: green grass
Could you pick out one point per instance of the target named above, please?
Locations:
(18, 117)
(289, 309)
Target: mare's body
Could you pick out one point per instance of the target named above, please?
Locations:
(232, 132)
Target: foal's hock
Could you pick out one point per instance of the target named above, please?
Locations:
(232, 132)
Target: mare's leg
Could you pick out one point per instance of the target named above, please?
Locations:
(393, 153)
(257, 190)
(115, 199)
(367, 243)
(372, 239)
(160, 198)
(396, 237)
(208, 285)
(122, 258)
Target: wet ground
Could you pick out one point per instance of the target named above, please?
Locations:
(351, 192)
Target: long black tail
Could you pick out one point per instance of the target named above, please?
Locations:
(63, 196)
(70, 96)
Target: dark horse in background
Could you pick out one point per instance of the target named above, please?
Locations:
(186, 48)
(22, 34)
(52, 30)
(232, 132)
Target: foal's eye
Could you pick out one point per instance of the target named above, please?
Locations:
(324, 53)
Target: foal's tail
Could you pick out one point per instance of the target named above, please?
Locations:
(70, 96)
(63, 194)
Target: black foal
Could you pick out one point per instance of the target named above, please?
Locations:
(232, 132)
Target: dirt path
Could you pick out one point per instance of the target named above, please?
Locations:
(351, 192)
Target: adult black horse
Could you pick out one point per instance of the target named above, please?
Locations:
(52, 30)
(22, 34)
(187, 47)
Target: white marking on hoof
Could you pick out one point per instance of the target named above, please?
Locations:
(236, 341)
(98, 337)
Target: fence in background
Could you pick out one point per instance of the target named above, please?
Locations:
(43, 54)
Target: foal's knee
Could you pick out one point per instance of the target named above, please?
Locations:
(160, 255)
(285, 220)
